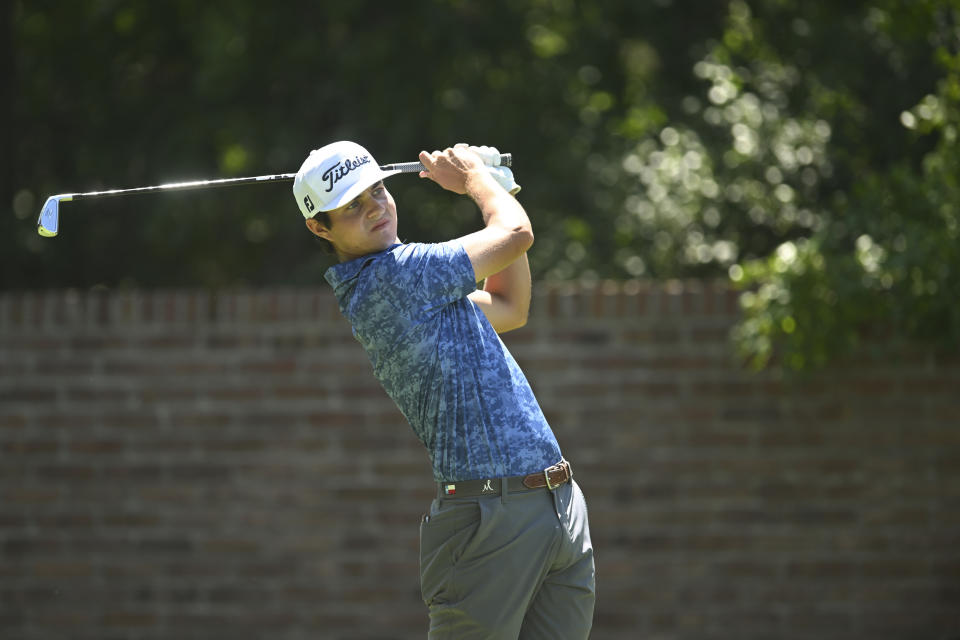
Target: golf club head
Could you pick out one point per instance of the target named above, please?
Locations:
(49, 222)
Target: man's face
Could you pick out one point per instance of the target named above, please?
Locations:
(367, 224)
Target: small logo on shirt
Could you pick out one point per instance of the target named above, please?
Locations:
(486, 488)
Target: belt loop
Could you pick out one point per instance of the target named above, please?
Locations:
(504, 489)
(439, 494)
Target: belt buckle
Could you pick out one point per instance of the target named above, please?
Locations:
(546, 476)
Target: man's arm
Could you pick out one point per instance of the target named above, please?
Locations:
(505, 297)
(498, 251)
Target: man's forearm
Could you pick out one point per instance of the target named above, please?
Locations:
(496, 205)
(513, 286)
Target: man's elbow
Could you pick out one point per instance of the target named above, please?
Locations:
(515, 323)
(524, 237)
(519, 315)
(521, 319)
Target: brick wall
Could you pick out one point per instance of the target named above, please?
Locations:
(195, 465)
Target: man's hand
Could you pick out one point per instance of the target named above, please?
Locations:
(452, 167)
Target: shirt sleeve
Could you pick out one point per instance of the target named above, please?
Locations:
(427, 276)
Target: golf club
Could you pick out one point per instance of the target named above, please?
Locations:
(48, 225)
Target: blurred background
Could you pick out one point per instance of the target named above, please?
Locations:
(797, 159)
(808, 147)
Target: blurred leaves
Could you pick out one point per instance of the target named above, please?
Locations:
(124, 93)
(882, 263)
(803, 149)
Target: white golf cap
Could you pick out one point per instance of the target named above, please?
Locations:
(334, 175)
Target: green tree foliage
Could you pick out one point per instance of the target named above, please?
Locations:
(119, 94)
(805, 149)
(817, 167)
(881, 264)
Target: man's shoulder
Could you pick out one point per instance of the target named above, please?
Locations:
(395, 256)
(413, 250)
(342, 272)
(411, 276)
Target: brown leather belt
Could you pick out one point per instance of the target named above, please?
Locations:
(550, 478)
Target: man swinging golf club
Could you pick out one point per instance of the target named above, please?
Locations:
(505, 549)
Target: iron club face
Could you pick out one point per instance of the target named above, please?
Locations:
(48, 225)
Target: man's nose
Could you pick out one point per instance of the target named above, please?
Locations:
(376, 208)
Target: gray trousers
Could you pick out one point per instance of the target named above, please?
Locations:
(512, 566)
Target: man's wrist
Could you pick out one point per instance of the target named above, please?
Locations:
(480, 185)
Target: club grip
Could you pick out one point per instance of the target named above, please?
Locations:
(506, 160)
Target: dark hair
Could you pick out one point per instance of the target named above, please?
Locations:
(323, 218)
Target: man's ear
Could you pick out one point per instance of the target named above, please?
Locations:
(317, 229)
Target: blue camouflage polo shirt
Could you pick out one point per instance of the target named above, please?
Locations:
(442, 363)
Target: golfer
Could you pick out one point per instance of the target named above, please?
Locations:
(505, 548)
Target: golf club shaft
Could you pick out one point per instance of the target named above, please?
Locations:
(48, 224)
(403, 167)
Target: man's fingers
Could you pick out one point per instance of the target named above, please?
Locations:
(431, 158)
(449, 167)
(427, 161)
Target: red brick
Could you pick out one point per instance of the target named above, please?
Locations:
(30, 496)
(32, 395)
(127, 620)
(96, 446)
(12, 421)
(27, 448)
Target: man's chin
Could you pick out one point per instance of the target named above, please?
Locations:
(383, 245)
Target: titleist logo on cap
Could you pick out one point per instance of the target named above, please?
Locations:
(339, 170)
